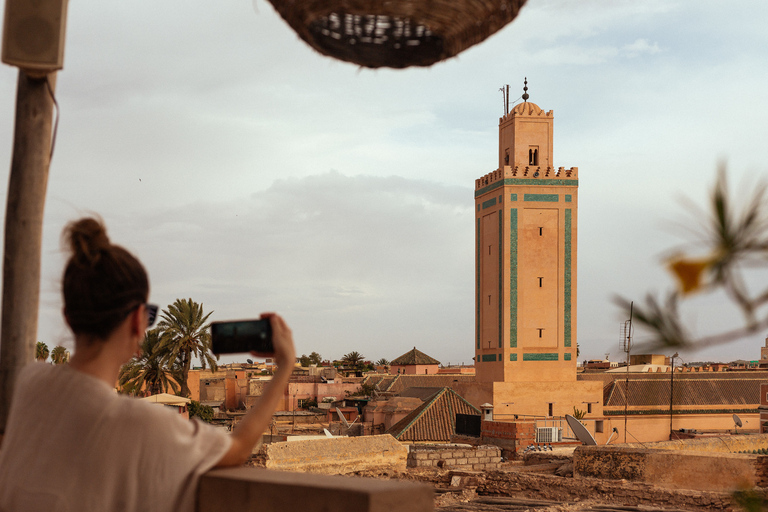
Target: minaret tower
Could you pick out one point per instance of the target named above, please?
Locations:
(525, 303)
(526, 256)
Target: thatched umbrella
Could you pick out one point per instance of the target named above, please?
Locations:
(395, 33)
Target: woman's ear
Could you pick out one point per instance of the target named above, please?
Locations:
(137, 321)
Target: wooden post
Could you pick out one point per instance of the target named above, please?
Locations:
(23, 231)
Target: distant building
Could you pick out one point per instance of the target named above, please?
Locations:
(177, 403)
(414, 362)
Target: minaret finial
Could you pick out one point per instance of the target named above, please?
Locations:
(525, 91)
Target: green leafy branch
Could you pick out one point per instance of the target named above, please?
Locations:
(735, 238)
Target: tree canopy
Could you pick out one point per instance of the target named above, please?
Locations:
(184, 334)
(41, 351)
(147, 373)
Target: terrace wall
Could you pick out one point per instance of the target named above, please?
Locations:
(445, 456)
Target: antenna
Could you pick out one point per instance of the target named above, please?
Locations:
(627, 347)
(505, 98)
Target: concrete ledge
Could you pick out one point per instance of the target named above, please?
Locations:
(251, 489)
(726, 443)
(672, 469)
(338, 455)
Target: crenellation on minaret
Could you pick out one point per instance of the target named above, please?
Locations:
(509, 172)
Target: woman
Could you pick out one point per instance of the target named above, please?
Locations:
(73, 444)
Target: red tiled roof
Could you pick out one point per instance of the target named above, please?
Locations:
(403, 382)
(435, 420)
(414, 357)
(687, 392)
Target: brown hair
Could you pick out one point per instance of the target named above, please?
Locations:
(102, 282)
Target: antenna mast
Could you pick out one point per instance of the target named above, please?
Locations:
(626, 346)
(505, 98)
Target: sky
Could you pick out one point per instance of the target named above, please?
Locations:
(251, 174)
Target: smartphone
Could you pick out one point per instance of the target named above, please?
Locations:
(242, 336)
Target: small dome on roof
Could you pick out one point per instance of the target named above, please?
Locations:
(527, 108)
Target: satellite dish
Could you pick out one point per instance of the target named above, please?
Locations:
(737, 420)
(580, 431)
(249, 361)
(327, 434)
(342, 418)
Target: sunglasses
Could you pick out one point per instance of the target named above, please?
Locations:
(151, 313)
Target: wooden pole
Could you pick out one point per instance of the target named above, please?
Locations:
(23, 231)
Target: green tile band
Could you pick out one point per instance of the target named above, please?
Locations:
(567, 281)
(541, 198)
(489, 203)
(513, 197)
(568, 198)
(501, 282)
(477, 286)
(527, 181)
(513, 357)
(540, 357)
(567, 356)
(512, 278)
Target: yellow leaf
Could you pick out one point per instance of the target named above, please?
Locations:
(689, 273)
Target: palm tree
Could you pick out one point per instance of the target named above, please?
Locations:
(382, 362)
(59, 355)
(148, 371)
(184, 335)
(353, 358)
(41, 351)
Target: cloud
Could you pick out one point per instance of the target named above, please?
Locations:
(640, 47)
(367, 263)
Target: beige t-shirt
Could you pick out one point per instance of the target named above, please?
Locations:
(73, 444)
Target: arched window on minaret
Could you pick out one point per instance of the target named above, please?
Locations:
(533, 156)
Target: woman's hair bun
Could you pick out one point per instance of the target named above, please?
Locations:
(87, 239)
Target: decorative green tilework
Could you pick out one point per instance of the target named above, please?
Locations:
(567, 356)
(567, 281)
(489, 358)
(478, 207)
(513, 357)
(540, 357)
(513, 197)
(489, 203)
(542, 198)
(501, 283)
(477, 285)
(501, 199)
(512, 278)
(527, 181)
(567, 198)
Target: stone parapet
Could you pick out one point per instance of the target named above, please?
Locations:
(338, 455)
(235, 489)
(722, 472)
(446, 456)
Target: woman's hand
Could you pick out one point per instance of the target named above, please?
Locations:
(247, 433)
(282, 341)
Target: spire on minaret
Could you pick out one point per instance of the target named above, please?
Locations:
(525, 91)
